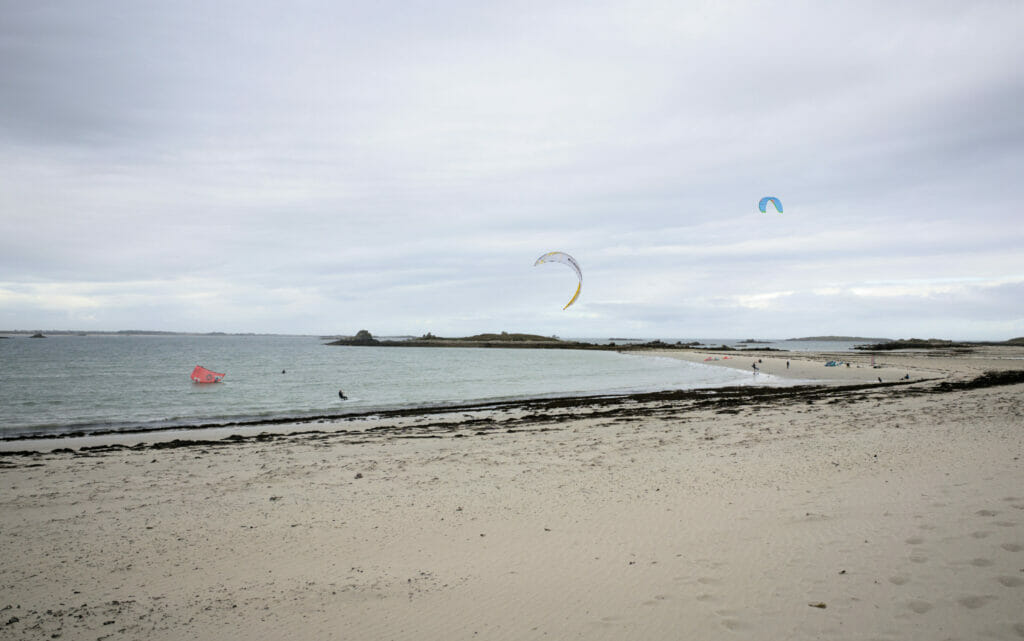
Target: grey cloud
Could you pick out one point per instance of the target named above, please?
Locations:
(408, 164)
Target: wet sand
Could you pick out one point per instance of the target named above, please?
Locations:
(733, 513)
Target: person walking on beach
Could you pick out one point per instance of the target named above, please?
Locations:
(787, 364)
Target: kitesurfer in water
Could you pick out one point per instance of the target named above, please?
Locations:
(341, 395)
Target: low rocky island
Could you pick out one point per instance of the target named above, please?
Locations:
(937, 344)
(363, 338)
(504, 339)
(846, 339)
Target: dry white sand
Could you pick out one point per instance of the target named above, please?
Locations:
(852, 367)
(902, 513)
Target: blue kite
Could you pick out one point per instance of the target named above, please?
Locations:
(770, 199)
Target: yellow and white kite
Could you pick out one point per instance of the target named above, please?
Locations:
(565, 259)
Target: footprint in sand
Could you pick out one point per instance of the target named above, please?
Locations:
(918, 558)
(1005, 523)
(899, 580)
(1019, 629)
(986, 512)
(1012, 547)
(734, 624)
(730, 620)
(975, 602)
(914, 540)
(981, 563)
(1010, 581)
(980, 535)
(920, 607)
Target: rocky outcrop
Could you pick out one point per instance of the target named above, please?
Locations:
(362, 337)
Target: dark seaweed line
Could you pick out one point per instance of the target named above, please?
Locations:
(426, 410)
(667, 404)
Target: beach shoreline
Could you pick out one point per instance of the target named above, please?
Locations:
(847, 510)
(774, 369)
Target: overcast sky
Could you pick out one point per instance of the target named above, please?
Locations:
(324, 167)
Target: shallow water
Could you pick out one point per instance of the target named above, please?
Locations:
(73, 384)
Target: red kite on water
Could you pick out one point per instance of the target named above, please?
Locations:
(202, 375)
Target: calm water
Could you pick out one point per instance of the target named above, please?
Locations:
(64, 384)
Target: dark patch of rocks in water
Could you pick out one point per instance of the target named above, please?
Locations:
(362, 337)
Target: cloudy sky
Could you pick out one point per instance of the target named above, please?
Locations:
(323, 167)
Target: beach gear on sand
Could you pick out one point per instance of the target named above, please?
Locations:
(565, 259)
(202, 375)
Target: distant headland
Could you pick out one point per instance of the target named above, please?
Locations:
(847, 339)
(937, 343)
(523, 341)
(535, 341)
(504, 339)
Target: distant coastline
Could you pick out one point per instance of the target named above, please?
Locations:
(524, 341)
(8, 333)
(535, 341)
(528, 341)
(938, 343)
(848, 339)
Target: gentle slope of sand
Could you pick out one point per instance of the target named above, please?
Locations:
(731, 515)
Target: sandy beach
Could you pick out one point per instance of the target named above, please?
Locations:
(848, 509)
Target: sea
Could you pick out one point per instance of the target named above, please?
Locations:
(68, 385)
